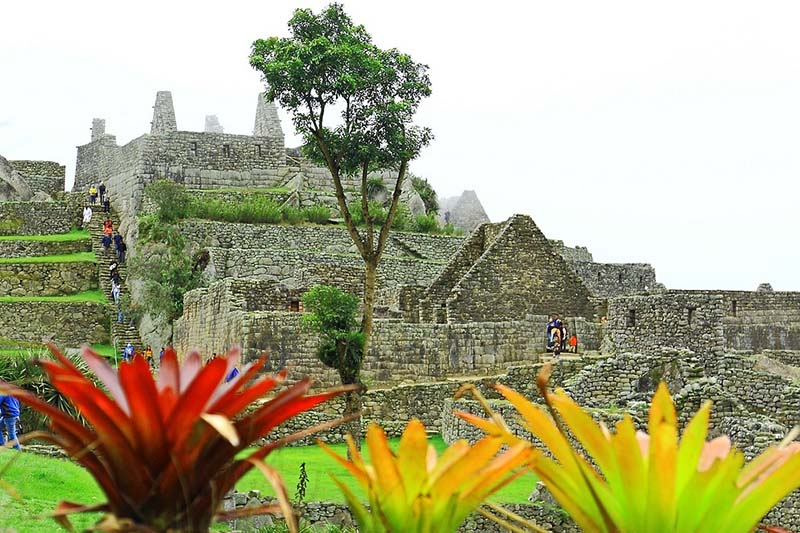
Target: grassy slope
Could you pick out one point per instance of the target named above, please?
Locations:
(74, 235)
(42, 482)
(320, 466)
(85, 296)
(80, 257)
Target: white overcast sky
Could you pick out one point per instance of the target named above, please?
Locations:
(659, 132)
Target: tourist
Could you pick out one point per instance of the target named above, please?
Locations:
(106, 240)
(108, 227)
(87, 216)
(92, 194)
(117, 239)
(127, 353)
(9, 410)
(563, 337)
(121, 249)
(232, 374)
(102, 191)
(116, 289)
(107, 204)
(573, 343)
(120, 316)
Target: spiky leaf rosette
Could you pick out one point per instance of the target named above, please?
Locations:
(165, 452)
(657, 481)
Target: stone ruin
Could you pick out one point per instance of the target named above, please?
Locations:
(451, 309)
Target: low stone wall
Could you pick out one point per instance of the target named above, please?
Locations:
(39, 168)
(46, 279)
(757, 321)
(323, 239)
(22, 248)
(690, 320)
(70, 324)
(37, 218)
(292, 268)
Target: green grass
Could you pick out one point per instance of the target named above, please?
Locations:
(319, 467)
(73, 235)
(41, 483)
(79, 257)
(96, 296)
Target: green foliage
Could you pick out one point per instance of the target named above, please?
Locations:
(426, 224)
(402, 218)
(449, 229)
(375, 187)
(167, 273)
(20, 369)
(427, 194)
(292, 215)
(317, 214)
(332, 313)
(10, 226)
(356, 213)
(171, 199)
(95, 296)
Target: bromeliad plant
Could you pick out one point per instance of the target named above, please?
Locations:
(415, 491)
(648, 481)
(165, 452)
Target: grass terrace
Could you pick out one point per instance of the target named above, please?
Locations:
(79, 257)
(74, 235)
(95, 296)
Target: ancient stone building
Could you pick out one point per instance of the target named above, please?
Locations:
(26, 180)
(465, 212)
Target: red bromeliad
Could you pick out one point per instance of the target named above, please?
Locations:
(164, 452)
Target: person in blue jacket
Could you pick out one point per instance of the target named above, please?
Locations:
(9, 409)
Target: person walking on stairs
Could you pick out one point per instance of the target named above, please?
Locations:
(92, 194)
(102, 190)
(87, 216)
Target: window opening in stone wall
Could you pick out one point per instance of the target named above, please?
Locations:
(226, 150)
(258, 150)
(689, 314)
(641, 279)
(599, 276)
(193, 148)
(631, 318)
(620, 277)
(733, 307)
(294, 305)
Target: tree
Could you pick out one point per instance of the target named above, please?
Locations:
(327, 64)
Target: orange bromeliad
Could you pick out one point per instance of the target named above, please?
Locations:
(414, 491)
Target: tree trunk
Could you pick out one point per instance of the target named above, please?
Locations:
(352, 404)
(370, 282)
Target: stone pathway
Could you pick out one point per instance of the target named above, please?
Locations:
(124, 332)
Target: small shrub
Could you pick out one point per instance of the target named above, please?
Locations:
(356, 213)
(426, 224)
(377, 213)
(292, 215)
(172, 200)
(449, 229)
(10, 226)
(375, 187)
(427, 194)
(317, 214)
(402, 218)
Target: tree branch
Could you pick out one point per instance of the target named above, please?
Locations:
(398, 188)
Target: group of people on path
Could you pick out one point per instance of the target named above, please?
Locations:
(105, 202)
(556, 332)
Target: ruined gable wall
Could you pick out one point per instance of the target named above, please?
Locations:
(45, 176)
(518, 274)
(646, 324)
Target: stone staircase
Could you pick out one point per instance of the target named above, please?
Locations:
(123, 332)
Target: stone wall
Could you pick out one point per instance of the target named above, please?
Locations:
(37, 218)
(327, 239)
(609, 280)
(757, 321)
(518, 274)
(572, 254)
(46, 279)
(23, 248)
(70, 324)
(39, 168)
(677, 319)
(298, 268)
